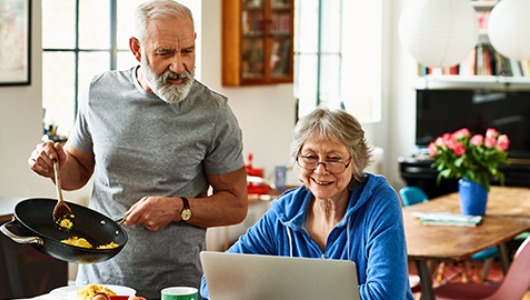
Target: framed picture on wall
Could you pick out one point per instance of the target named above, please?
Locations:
(15, 25)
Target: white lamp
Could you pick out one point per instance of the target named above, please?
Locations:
(439, 33)
(508, 26)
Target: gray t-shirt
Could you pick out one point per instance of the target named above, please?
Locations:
(144, 146)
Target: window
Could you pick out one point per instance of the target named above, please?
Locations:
(338, 56)
(81, 38)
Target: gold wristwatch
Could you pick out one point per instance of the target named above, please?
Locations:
(185, 213)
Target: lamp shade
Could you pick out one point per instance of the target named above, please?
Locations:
(508, 26)
(438, 33)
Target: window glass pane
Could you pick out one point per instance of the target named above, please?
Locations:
(330, 81)
(362, 66)
(58, 24)
(58, 90)
(94, 28)
(306, 35)
(125, 26)
(91, 64)
(331, 26)
(306, 77)
(126, 60)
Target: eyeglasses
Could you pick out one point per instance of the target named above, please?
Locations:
(333, 166)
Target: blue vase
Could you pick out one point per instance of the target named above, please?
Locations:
(473, 198)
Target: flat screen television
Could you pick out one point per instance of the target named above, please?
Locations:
(440, 111)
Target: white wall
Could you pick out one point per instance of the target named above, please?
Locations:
(401, 108)
(21, 126)
(266, 113)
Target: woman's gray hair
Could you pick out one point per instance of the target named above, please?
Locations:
(157, 9)
(338, 126)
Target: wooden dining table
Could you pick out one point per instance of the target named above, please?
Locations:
(503, 201)
(507, 215)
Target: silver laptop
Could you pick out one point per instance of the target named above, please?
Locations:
(261, 277)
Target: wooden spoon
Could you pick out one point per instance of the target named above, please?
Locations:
(62, 214)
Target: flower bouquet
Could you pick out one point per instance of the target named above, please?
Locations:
(476, 158)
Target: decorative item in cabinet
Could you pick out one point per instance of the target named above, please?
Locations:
(257, 42)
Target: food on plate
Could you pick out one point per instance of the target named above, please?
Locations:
(133, 297)
(83, 243)
(78, 242)
(110, 245)
(91, 290)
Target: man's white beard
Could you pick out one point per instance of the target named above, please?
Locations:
(171, 93)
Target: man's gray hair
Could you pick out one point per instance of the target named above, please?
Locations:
(157, 9)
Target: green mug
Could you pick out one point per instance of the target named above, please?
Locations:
(180, 293)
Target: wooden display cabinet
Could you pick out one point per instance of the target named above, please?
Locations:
(257, 42)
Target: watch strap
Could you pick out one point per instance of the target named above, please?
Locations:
(185, 203)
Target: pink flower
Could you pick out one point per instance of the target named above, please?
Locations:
(477, 140)
(439, 142)
(503, 142)
(461, 133)
(459, 149)
(491, 133)
(446, 138)
(450, 142)
(490, 142)
(432, 149)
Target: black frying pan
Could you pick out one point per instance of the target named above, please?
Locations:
(33, 224)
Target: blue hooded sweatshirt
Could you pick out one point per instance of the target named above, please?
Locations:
(371, 234)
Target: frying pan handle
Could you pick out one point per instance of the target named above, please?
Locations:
(17, 238)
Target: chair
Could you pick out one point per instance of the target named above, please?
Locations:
(513, 286)
(411, 195)
(415, 284)
(522, 236)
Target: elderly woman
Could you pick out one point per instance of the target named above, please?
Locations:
(339, 212)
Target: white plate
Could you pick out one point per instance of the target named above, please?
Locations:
(71, 290)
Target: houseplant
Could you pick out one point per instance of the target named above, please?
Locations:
(474, 159)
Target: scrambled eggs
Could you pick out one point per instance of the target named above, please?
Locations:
(83, 243)
(110, 245)
(92, 289)
(66, 223)
(78, 242)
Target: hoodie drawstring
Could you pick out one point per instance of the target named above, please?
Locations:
(348, 239)
(290, 241)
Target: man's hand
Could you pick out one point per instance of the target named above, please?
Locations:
(154, 213)
(42, 158)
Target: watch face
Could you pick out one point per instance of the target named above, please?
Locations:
(185, 214)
